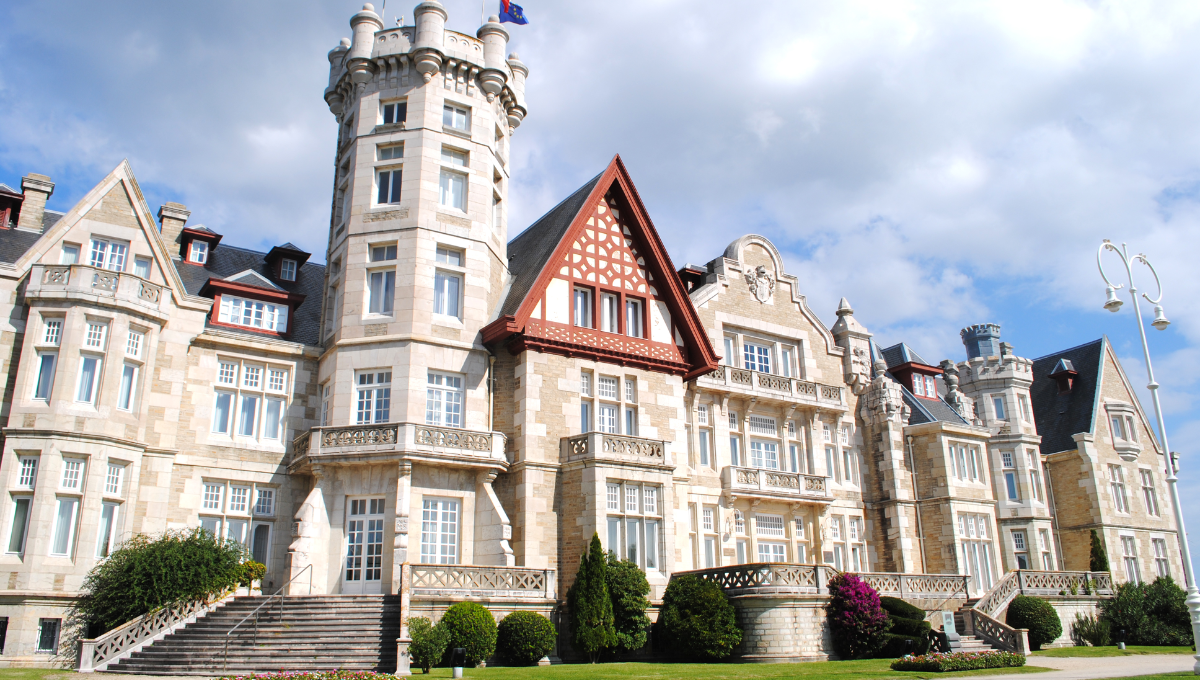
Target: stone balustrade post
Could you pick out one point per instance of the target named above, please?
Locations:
(87, 654)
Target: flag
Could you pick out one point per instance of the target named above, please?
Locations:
(512, 13)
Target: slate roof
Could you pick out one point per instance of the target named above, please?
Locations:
(532, 248)
(1058, 417)
(901, 353)
(226, 261)
(16, 242)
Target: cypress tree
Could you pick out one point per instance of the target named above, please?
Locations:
(591, 608)
(1099, 555)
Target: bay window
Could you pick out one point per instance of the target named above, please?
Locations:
(633, 522)
(444, 399)
(250, 400)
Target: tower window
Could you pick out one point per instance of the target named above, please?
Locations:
(394, 151)
(389, 187)
(396, 112)
(456, 118)
(383, 253)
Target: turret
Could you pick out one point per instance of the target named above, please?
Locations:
(430, 18)
(981, 340)
(358, 61)
(517, 113)
(852, 336)
(495, 39)
(337, 60)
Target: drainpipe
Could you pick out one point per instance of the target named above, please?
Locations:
(491, 390)
(912, 471)
(1062, 565)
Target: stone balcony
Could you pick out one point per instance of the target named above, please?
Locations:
(462, 581)
(102, 287)
(766, 386)
(773, 485)
(618, 448)
(387, 442)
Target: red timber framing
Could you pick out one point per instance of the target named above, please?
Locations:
(611, 248)
(215, 288)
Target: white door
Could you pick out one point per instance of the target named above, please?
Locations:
(364, 546)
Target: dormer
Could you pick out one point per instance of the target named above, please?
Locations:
(10, 206)
(285, 262)
(910, 370)
(197, 244)
(251, 302)
(1064, 374)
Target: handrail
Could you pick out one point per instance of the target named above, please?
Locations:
(225, 660)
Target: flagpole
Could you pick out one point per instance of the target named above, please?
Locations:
(482, 12)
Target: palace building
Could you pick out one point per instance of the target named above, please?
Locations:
(450, 406)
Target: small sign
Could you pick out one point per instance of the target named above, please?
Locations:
(948, 626)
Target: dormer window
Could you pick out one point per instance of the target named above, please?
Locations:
(253, 314)
(198, 252)
(287, 270)
(924, 386)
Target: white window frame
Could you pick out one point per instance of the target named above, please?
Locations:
(108, 254)
(47, 366)
(371, 388)
(634, 522)
(456, 117)
(389, 182)
(198, 251)
(445, 399)
(239, 381)
(441, 525)
(263, 315)
(68, 547)
(287, 269)
(381, 291)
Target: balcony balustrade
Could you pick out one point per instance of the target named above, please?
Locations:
(461, 581)
(774, 484)
(769, 386)
(330, 443)
(617, 447)
(51, 282)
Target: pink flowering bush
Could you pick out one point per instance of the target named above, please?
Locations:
(857, 622)
(312, 675)
(958, 661)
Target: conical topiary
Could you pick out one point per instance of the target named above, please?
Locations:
(591, 608)
(1099, 555)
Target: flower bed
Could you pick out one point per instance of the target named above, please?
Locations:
(958, 661)
(312, 675)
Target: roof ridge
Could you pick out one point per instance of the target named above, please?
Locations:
(586, 185)
(1070, 349)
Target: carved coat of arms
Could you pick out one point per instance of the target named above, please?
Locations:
(762, 283)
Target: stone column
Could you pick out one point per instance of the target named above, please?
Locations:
(400, 543)
(310, 535)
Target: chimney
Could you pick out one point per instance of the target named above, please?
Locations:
(981, 340)
(37, 189)
(172, 217)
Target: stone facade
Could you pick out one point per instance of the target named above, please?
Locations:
(444, 412)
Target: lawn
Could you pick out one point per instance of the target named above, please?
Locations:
(1130, 650)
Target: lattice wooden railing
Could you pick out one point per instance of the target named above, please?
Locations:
(444, 579)
(98, 653)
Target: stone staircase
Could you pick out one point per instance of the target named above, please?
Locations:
(349, 632)
(968, 643)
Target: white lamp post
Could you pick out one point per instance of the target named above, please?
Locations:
(1113, 304)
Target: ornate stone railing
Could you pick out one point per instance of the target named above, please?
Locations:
(773, 482)
(602, 445)
(995, 633)
(98, 653)
(388, 437)
(771, 385)
(917, 586)
(769, 577)
(54, 280)
(1034, 582)
(460, 580)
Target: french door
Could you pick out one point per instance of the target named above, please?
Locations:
(363, 572)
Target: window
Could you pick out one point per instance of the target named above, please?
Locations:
(255, 414)
(45, 375)
(389, 152)
(65, 518)
(444, 400)
(1118, 428)
(606, 419)
(455, 117)
(446, 287)
(106, 535)
(374, 397)
(614, 497)
(52, 332)
(211, 498)
(633, 318)
(1044, 544)
(633, 526)
(756, 357)
(198, 252)
(388, 186)
(89, 379)
(114, 479)
(918, 385)
(769, 525)
(287, 270)
(260, 543)
(1149, 494)
(72, 475)
(1020, 549)
(497, 212)
(383, 253)
(1010, 475)
(453, 184)
(930, 387)
(973, 533)
(20, 524)
(253, 314)
(1116, 484)
(1023, 402)
(133, 344)
(396, 112)
(1162, 565)
(264, 503)
(583, 308)
(28, 475)
(998, 403)
(735, 449)
(109, 254)
(94, 338)
(730, 354)
(609, 316)
(439, 531)
(449, 256)
(631, 390)
(831, 469)
(739, 522)
(1133, 572)
(48, 630)
(326, 404)
(225, 512)
(141, 267)
(785, 362)
(764, 454)
(70, 254)
(381, 292)
(763, 425)
(1035, 475)
(239, 499)
(125, 398)
(707, 522)
(769, 551)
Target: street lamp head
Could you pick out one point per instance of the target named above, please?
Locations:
(1113, 303)
(1160, 318)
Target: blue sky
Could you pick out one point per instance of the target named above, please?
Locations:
(938, 164)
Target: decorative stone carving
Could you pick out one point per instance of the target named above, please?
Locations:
(883, 400)
(762, 283)
(957, 400)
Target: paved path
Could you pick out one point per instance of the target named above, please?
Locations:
(1080, 668)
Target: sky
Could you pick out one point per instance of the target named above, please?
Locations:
(938, 164)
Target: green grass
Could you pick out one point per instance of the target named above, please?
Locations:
(1130, 650)
(873, 668)
(1160, 676)
(35, 674)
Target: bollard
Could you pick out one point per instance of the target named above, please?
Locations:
(458, 659)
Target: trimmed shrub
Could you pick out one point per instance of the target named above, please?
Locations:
(896, 646)
(909, 627)
(253, 571)
(1099, 554)
(472, 627)
(1090, 630)
(1150, 613)
(697, 621)
(591, 609)
(428, 644)
(145, 574)
(524, 638)
(628, 588)
(857, 622)
(899, 609)
(1038, 616)
(958, 661)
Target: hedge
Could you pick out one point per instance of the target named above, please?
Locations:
(1038, 616)
(899, 609)
(524, 638)
(958, 661)
(1150, 613)
(697, 621)
(472, 627)
(428, 642)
